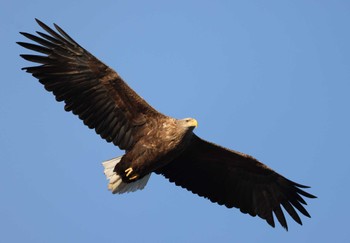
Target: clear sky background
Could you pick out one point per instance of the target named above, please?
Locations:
(268, 78)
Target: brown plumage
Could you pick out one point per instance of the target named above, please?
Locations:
(154, 142)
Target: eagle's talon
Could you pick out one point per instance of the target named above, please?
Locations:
(133, 177)
(128, 171)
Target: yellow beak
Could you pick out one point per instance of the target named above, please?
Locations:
(194, 123)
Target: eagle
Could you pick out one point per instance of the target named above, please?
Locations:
(152, 141)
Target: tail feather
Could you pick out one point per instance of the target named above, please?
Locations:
(116, 185)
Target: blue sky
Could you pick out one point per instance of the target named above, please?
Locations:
(268, 78)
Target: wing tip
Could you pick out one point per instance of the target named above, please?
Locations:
(40, 23)
(24, 33)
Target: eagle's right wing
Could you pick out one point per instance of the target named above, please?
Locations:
(89, 88)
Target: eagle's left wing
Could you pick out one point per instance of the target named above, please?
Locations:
(238, 180)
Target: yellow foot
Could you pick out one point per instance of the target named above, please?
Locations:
(128, 171)
(134, 177)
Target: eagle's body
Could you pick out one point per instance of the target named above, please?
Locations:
(152, 141)
(165, 140)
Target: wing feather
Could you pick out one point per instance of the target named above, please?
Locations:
(90, 89)
(236, 180)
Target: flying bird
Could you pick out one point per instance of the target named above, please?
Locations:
(154, 142)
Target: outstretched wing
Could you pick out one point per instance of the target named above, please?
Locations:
(89, 88)
(238, 180)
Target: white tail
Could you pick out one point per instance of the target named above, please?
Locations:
(116, 185)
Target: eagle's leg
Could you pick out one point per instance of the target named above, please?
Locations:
(128, 171)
